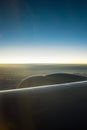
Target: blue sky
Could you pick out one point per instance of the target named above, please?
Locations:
(42, 31)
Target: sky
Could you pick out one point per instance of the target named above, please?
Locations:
(43, 31)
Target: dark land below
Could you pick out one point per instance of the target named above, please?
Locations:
(12, 74)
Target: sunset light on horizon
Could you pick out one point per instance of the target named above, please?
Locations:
(50, 55)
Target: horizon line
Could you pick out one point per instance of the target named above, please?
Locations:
(44, 63)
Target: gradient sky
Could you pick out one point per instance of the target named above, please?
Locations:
(43, 31)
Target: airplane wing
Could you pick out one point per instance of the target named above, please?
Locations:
(56, 107)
